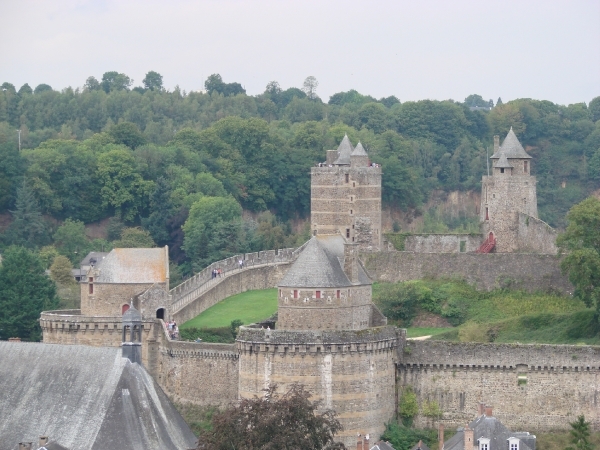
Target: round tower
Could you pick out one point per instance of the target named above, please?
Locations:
(329, 337)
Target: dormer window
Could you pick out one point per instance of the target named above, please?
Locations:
(513, 443)
(484, 444)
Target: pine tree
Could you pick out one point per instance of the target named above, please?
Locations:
(28, 228)
(25, 291)
(580, 433)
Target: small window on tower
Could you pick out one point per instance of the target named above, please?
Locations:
(318, 294)
(525, 166)
(347, 232)
(353, 184)
(347, 178)
(487, 214)
(295, 293)
(502, 170)
(350, 212)
(337, 294)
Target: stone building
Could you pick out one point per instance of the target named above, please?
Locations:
(346, 196)
(508, 210)
(330, 337)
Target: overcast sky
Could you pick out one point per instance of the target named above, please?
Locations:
(417, 49)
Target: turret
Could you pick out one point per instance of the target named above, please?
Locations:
(132, 335)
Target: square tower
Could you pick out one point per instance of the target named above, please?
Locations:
(346, 196)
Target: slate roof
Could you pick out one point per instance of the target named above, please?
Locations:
(84, 398)
(503, 163)
(511, 147)
(132, 315)
(492, 429)
(96, 256)
(344, 151)
(133, 265)
(382, 445)
(320, 265)
(359, 150)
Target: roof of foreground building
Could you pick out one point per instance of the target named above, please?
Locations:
(321, 265)
(84, 398)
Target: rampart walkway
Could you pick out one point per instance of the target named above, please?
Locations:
(203, 282)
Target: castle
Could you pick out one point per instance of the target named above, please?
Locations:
(329, 335)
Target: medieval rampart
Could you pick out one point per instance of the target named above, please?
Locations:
(351, 372)
(531, 387)
(535, 235)
(442, 243)
(198, 373)
(529, 271)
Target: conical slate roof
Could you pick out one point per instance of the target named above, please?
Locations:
(132, 315)
(359, 150)
(503, 163)
(511, 147)
(344, 151)
(316, 267)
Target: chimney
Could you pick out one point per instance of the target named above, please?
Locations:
(351, 261)
(25, 445)
(43, 441)
(468, 433)
(480, 409)
(488, 411)
(441, 437)
(359, 442)
(496, 143)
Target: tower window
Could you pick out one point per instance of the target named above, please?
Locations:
(502, 170)
(318, 294)
(353, 184)
(295, 293)
(347, 232)
(337, 293)
(91, 285)
(350, 212)
(525, 166)
(487, 214)
(347, 178)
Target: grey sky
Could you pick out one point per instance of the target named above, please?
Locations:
(547, 50)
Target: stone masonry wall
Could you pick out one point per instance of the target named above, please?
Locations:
(536, 236)
(527, 271)
(108, 298)
(198, 373)
(343, 309)
(442, 243)
(531, 387)
(351, 372)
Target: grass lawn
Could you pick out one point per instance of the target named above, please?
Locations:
(249, 307)
(416, 332)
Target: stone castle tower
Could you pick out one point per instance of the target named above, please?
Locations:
(508, 195)
(329, 337)
(346, 196)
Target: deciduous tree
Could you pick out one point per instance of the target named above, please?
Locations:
(153, 81)
(273, 422)
(581, 242)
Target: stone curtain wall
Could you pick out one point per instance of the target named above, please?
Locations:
(527, 271)
(536, 235)
(352, 372)
(254, 278)
(531, 387)
(70, 327)
(108, 298)
(442, 243)
(198, 373)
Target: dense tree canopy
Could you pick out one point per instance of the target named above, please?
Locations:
(581, 241)
(25, 291)
(146, 155)
(273, 422)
